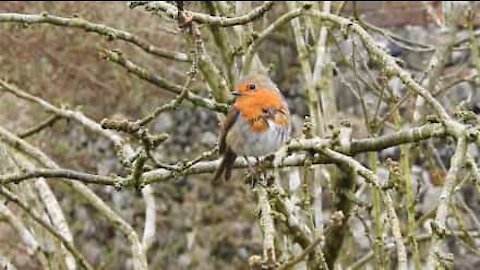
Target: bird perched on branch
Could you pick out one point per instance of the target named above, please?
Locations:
(257, 124)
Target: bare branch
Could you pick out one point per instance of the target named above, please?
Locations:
(420, 238)
(58, 173)
(140, 261)
(150, 218)
(14, 198)
(118, 58)
(268, 227)
(373, 180)
(124, 151)
(435, 254)
(338, 216)
(198, 167)
(109, 32)
(172, 12)
(12, 163)
(282, 20)
(383, 58)
(25, 235)
(35, 129)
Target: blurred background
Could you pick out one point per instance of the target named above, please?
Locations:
(198, 226)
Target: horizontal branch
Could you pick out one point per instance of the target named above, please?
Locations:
(316, 144)
(394, 139)
(57, 173)
(211, 166)
(296, 159)
(172, 12)
(380, 143)
(101, 29)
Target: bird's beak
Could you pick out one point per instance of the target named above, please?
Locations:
(235, 93)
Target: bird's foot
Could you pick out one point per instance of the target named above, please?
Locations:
(257, 173)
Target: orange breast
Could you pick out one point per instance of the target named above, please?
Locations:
(252, 104)
(280, 119)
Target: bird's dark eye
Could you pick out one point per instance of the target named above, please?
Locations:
(251, 86)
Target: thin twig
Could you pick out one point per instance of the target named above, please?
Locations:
(383, 58)
(124, 151)
(400, 41)
(37, 128)
(259, 38)
(291, 262)
(159, 81)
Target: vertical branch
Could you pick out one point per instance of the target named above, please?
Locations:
(473, 41)
(451, 11)
(314, 110)
(411, 223)
(297, 229)
(435, 255)
(434, 70)
(372, 179)
(320, 80)
(377, 214)
(322, 72)
(312, 97)
(334, 239)
(344, 185)
(245, 34)
(213, 77)
(150, 218)
(396, 231)
(474, 170)
(222, 40)
(57, 217)
(406, 173)
(268, 228)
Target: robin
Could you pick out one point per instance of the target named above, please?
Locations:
(257, 124)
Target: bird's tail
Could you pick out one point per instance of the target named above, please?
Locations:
(226, 165)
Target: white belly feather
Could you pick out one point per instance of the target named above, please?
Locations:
(245, 142)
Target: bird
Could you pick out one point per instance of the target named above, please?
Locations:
(257, 124)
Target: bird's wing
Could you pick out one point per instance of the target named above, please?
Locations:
(231, 118)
